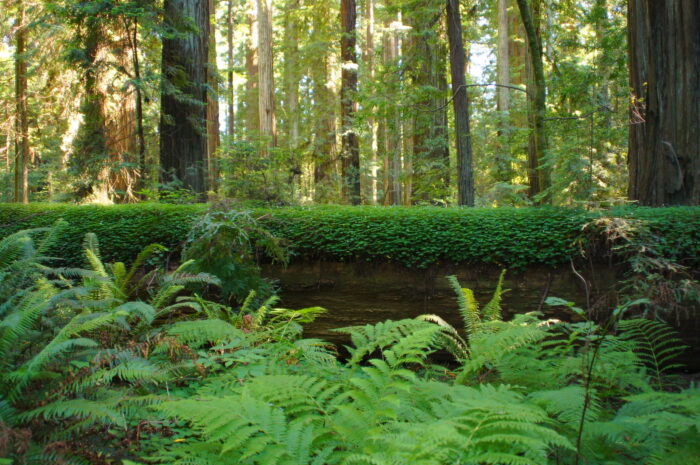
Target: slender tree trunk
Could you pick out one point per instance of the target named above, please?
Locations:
(292, 76)
(252, 114)
(460, 101)
(664, 62)
(350, 152)
(537, 174)
(266, 94)
(138, 101)
(183, 140)
(503, 171)
(213, 134)
(392, 119)
(231, 97)
(325, 101)
(22, 112)
(368, 58)
(9, 120)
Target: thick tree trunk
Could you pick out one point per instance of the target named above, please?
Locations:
(537, 174)
(213, 134)
(183, 139)
(430, 144)
(231, 92)
(266, 86)
(350, 152)
(460, 101)
(664, 61)
(22, 112)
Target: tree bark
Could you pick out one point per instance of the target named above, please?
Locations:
(138, 100)
(460, 101)
(350, 152)
(537, 174)
(183, 140)
(368, 59)
(292, 74)
(324, 111)
(430, 144)
(252, 114)
(664, 139)
(503, 169)
(231, 92)
(392, 121)
(266, 87)
(22, 112)
(213, 134)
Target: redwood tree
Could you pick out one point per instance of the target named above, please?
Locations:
(183, 135)
(22, 115)
(350, 144)
(664, 139)
(538, 175)
(460, 102)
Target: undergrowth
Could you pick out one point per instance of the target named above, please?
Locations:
(113, 364)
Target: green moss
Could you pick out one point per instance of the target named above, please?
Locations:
(415, 237)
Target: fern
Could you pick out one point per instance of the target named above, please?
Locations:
(467, 305)
(199, 333)
(370, 338)
(492, 310)
(656, 344)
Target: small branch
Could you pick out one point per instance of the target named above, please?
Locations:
(459, 89)
(587, 115)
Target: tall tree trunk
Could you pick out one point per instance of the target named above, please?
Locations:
(537, 174)
(134, 45)
(325, 101)
(9, 121)
(392, 120)
(22, 112)
(213, 134)
(368, 59)
(430, 144)
(664, 61)
(292, 76)
(266, 88)
(298, 178)
(460, 101)
(503, 169)
(350, 152)
(231, 92)
(252, 114)
(183, 139)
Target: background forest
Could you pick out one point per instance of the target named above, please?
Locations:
(394, 102)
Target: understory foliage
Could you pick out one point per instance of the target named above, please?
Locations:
(415, 237)
(113, 364)
(660, 272)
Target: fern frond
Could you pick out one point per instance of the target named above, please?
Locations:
(95, 411)
(449, 339)
(467, 305)
(657, 345)
(199, 333)
(492, 310)
(146, 253)
(369, 338)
